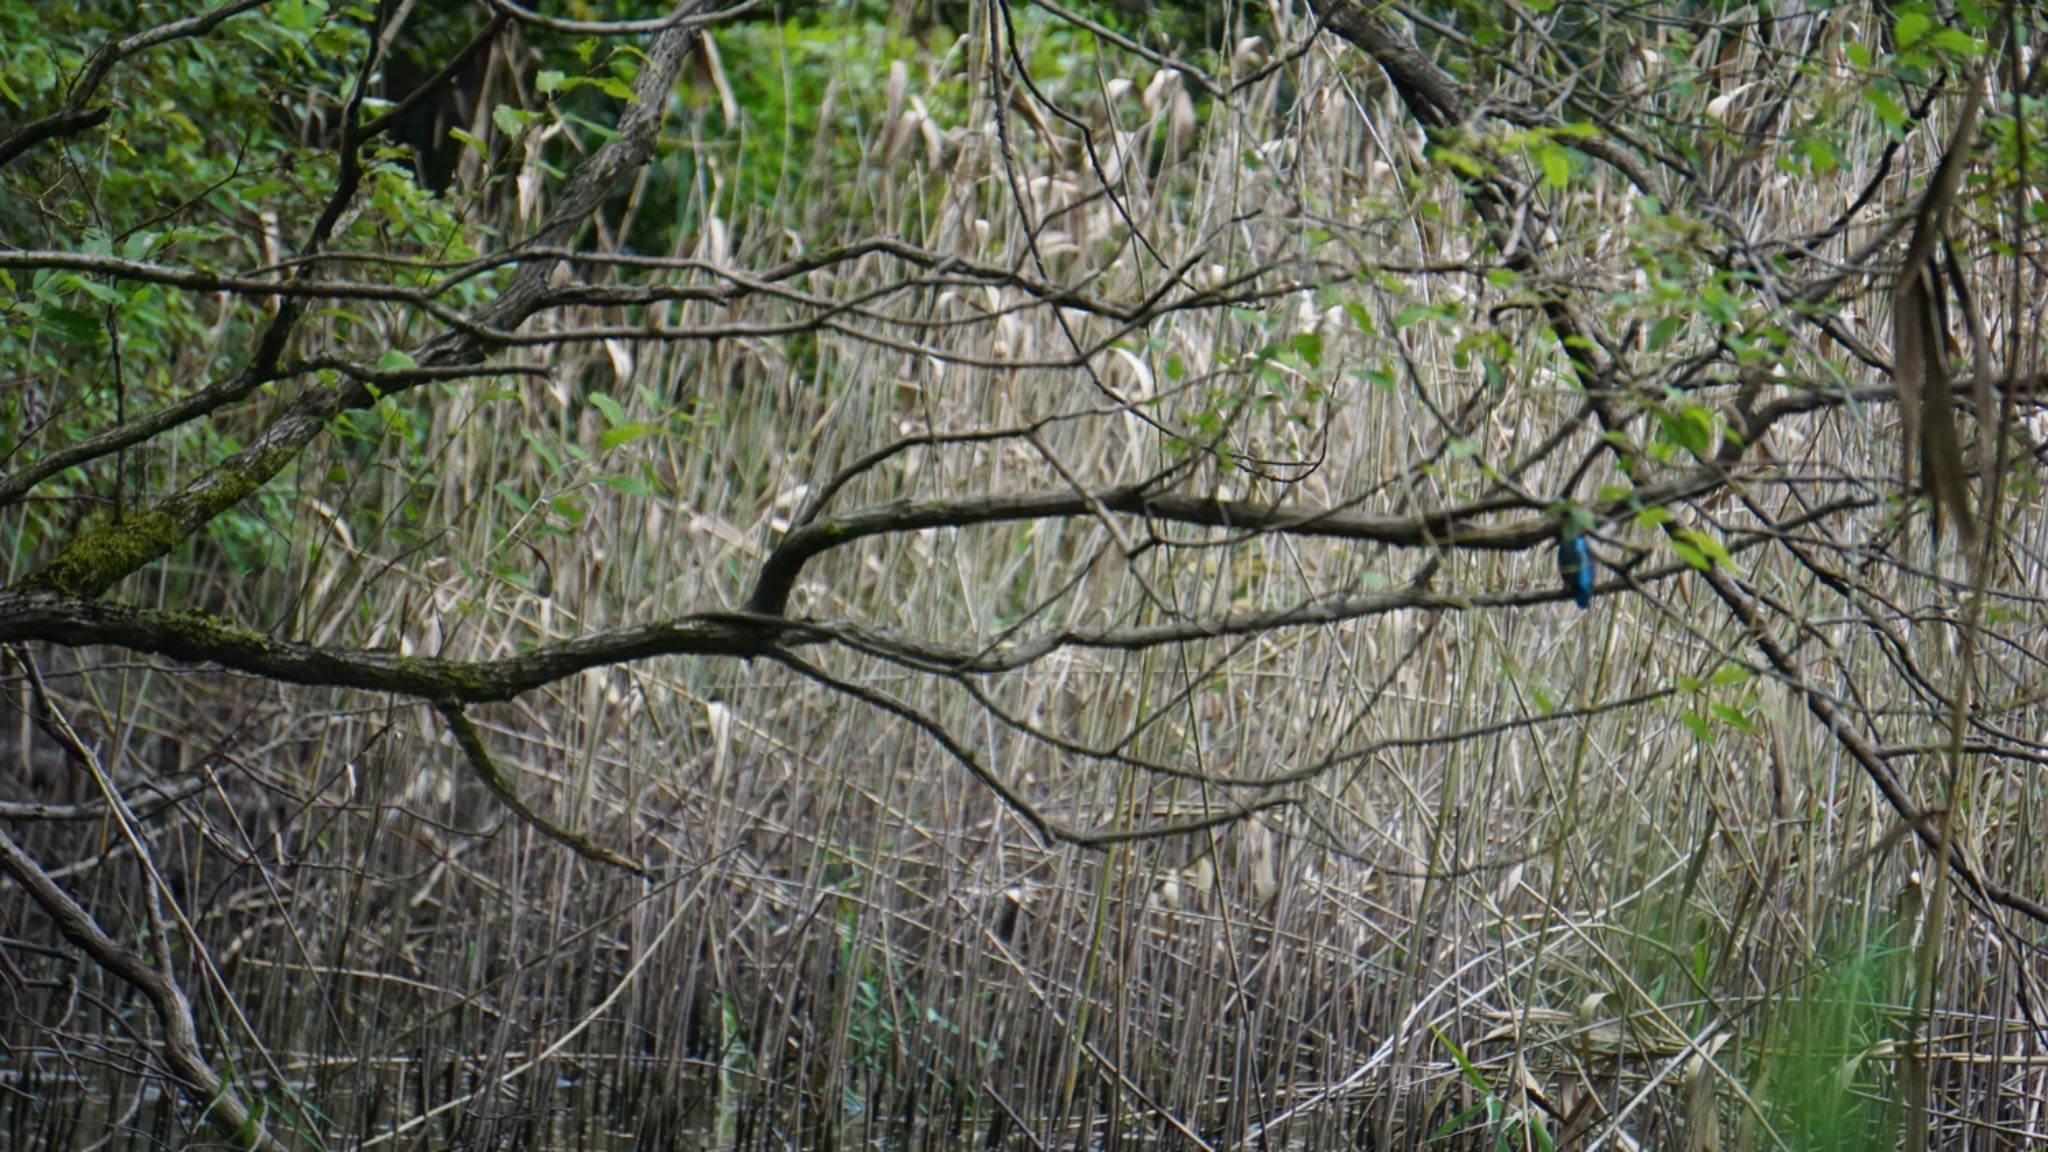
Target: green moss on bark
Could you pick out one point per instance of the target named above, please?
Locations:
(102, 556)
(97, 560)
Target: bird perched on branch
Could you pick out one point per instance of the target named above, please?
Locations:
(1575, 566)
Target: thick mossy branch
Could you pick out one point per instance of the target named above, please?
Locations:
(95, 561)
(200, 638)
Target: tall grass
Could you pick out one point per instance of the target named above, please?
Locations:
(1541, 876)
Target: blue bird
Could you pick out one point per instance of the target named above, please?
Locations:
(1575, 567)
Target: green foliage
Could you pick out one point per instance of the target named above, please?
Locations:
(811, 94)
(1723, 699)
(217, 154)
(1830, 1083)
(1508, 1127)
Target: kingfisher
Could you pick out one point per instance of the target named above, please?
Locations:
(1575, 566)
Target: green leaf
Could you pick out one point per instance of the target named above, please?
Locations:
(1728, 674)
(1732, 717)
(1360, 317)
(1309, 346)
(509, 120)
(1957, 42)
(1458, 1122)
(1821, 155)
(1662, 332)
(624, 434)
(1557, 165)
(396, 361)
(98, 291)
(333, 41)
(1415, 314)
(1910, 28)
(1887, 109)
(548, 81)
(628, 485)
(513, 496)
(1699, 549)
(1713, 548)
(1472, 1074)
(1690, 428)
(70, 324)
(613, 413)
(1463, 162)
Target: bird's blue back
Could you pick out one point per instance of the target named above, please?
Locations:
(1575, 568)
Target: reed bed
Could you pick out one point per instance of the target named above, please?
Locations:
(1513, 874)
